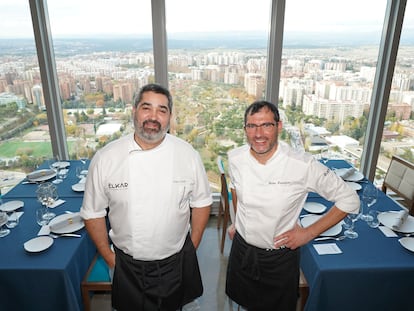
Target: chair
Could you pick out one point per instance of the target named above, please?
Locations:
(97, 279)
(224, 205)
(400, 180)
(303, 290)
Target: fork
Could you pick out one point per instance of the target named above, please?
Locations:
(339, 238)
(70, 235)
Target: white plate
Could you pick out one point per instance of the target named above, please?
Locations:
(309, 220)
(314, 207)
(407, 243)
(355, 186)
(41, 175)
(70, 227)
(356, 176)
(79, 187)
(61, 164)
(388, 219)
(38, 244)
(11, 206)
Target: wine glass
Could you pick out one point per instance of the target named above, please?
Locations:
(369, 198)
(3, 220)
(324, 156)
(53, 165)
(349, 222)
(47, 195)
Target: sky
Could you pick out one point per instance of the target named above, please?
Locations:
(96, 17)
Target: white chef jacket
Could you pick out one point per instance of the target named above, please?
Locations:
(270, 197)
(148, 192)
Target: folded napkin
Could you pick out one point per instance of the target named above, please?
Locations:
(57, 203)
(82, 180)
(45, 230)
(399, 219)
(346, 173)
(15, 215)
(66, 222)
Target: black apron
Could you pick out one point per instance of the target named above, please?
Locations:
(262, 280)
(159, 285)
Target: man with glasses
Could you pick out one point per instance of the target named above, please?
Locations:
(270, 182)
(152, 185)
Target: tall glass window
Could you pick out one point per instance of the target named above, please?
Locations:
(24, 137)
(217, 54)
(103, 53)
(398, 132)
(330, 54)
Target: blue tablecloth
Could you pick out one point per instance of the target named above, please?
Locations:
(373, 272)
(48, 280)
(64, 188)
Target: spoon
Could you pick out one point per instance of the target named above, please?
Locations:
(339, 238)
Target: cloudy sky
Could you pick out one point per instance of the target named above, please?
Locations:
(74, 17)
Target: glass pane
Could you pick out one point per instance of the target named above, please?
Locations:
(330, 53)
(24, 136)
(217, 66)
(398, 133)
(103, 55)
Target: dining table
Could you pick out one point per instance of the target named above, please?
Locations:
(371, 272)
(50, 278)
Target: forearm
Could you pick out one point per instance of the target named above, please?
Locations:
(199, 220)
(98, 232)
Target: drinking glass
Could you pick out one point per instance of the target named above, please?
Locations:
(324, 156)
(374, 222)
(369, 198)
(47, 195)
(52, 165)
(349, 221)
(3, 220)
(12, 219)
(41, 219)
(62, 173)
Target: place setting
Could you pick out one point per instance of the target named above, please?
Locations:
(402, 224)
(11, 215)
(61, 226)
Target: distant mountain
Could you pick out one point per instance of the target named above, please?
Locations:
(191, 41)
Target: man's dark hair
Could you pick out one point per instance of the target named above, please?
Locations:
(258, 105)
(156, 88)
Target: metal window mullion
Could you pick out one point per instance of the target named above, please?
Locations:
(391, 32)
(274, 52)
(48, 73)
(159, 39)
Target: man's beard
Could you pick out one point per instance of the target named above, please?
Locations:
(150, 134)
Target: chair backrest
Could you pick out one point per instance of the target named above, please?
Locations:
(400, 179)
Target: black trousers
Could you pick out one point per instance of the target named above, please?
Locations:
(262, 280)
(160, 285)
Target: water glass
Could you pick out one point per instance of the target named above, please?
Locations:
(3, 220)
(12, 220)
(373, 220)
(41, 216)
(62, 173)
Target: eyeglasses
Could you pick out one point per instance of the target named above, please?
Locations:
(268, 126)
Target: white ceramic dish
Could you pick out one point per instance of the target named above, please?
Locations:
(388, 219)
(79, 187)
(38, 244)
(11, 206)
(408, 243)
(61, 164)
(70, 227)
(355, 186)
(41, 175)
(314, 207)
(309, 220)
(356, 176)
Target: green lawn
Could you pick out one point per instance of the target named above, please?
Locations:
(10, 149)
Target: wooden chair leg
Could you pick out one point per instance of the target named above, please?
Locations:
(226, 217)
